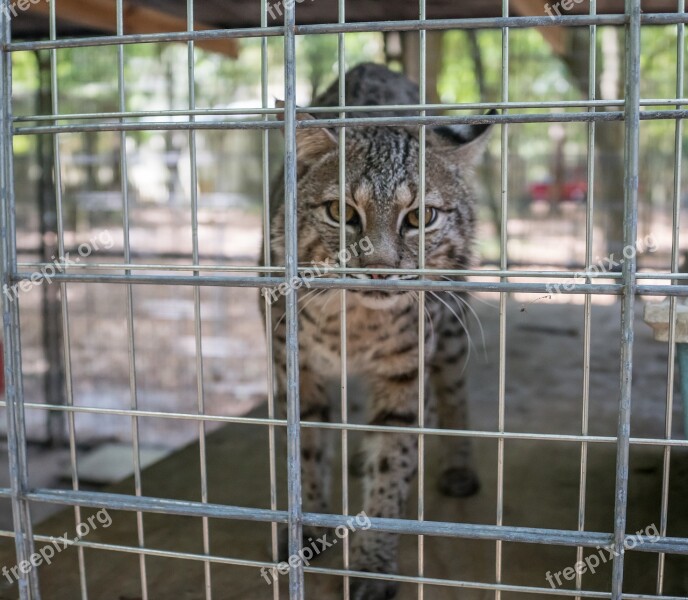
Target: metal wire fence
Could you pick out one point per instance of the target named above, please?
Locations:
(626, 285)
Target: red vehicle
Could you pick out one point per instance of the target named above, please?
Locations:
(573, 191)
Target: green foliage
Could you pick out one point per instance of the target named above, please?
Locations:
(156, 77)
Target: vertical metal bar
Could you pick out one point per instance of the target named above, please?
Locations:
(504, 262)
(130, 304)
(66, 337)
(675, 248)
(14, 393)
(421, 296)
(587, 328)
(296, 586)
(344, 392)
(267, 260)
(632, 127)
(198, 332)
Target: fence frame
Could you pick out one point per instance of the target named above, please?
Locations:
(625, 285)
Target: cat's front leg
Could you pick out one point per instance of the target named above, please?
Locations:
(391, 461)
(458, 477)
(315, 445)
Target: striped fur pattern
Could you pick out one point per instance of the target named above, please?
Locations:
(382, 187)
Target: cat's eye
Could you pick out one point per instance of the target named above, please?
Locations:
(413, 218)
(333, 210)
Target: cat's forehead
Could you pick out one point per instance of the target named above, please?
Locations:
(364, 194)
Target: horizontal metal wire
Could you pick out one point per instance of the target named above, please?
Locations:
(349, 284)
(662, 290)
(580, 272)
(38, 266)
(351, 109)
(470, 433)
(430, 120)
(486, 272)
(366, 284)
(369, 26)
(527, 535)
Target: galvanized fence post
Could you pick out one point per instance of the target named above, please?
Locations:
(296, 583)
(14, 397)
(631, 153)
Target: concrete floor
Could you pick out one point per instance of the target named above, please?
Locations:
(541, 484)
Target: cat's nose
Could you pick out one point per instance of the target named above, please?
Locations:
(379, 275)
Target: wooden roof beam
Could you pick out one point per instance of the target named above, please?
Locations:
(102, 15)
(555, 36)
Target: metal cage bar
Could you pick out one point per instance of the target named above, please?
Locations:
(198, 331)
(16, 432)
(296, 578)
(269, 422)
(676, 222)
(361, 27)
(64, 293)
(587, 309)
(504, 266)
(422, 142)
(343, 331)
(631, 170)
(133, 389)
(267, 261)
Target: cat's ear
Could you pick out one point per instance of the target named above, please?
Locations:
(311, 142)
(465, 143)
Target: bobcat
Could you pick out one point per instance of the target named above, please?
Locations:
(382, 196)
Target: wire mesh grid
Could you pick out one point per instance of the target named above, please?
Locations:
(625, 285)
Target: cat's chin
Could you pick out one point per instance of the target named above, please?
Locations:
(382, 300)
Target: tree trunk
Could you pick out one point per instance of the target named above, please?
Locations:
(54, 378)
(609, 138)
(489, 178)
(410, 58)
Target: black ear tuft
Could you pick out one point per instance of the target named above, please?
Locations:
(464, 134)
(465, 143)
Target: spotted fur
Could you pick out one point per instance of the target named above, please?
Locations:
(382, 184)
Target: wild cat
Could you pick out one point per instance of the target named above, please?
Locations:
(382, 216)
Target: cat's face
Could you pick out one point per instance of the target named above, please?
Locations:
(382, 202)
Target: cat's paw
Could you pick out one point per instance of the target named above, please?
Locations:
(371, 589)
(458, 482)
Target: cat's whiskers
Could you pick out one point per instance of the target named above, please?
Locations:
(428, 315)
(323, 312)
(467, 304)
(312, 294)
(461, 301)
(472, 294)
(463, 325)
